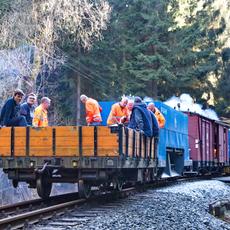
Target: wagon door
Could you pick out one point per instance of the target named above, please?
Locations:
(228, 145)
(226, 157)
(220, 145)
(206, 141)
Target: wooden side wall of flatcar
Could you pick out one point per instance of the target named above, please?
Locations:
(63, 141)
(135, 144)
(5, 142)
(73, 141)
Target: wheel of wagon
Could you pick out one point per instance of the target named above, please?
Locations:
(84, 189)
(140, 187)
(119, 184)
(43, 186)
(15, 183)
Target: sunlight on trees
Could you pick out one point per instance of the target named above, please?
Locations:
(48, 24)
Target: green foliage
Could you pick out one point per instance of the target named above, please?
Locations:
(144, 52)
(222, 92)
(4, 7)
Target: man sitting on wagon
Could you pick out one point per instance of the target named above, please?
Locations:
(27, 108)
(141, 118)
(155, 126)
(119, 112)
(92, 109)
(10, 114)
(41, 114)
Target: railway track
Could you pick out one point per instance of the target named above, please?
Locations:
(25, 214)
(20, 207)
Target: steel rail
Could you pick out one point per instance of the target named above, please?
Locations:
(34, 216)
(31, 217)
(30, 204)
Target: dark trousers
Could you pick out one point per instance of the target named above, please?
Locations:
(17, 121)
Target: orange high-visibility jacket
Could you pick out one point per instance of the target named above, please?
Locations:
(116, 113)
(93, 111)
(40, 117)
(160, 118)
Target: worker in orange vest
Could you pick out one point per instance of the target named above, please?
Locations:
(119, 112)
(92, 109)
(158, 114)
(40, 118)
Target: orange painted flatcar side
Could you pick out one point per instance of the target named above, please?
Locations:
(72, 141)
(5, 142)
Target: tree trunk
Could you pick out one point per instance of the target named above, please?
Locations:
(78, 93)
(152, 89)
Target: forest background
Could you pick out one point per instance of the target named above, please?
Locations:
(154, 48)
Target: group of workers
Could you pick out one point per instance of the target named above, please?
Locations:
(135, 114)
(15, 113)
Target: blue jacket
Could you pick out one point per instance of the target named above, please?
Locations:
(27, 111)
(155, 125)
(9, 111)
(141, 119)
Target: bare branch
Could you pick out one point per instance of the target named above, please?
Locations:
(47, 24)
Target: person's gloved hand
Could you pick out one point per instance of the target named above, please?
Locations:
(142, 132)
(123, 119)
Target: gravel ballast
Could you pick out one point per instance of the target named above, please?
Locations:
(181, 206)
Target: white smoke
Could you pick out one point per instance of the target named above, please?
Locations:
(147, 100)
(186, 103)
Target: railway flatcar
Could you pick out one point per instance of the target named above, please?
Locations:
(90, 156)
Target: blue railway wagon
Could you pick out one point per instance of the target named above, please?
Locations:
(173, 148)
(229, 145)
(106, 107)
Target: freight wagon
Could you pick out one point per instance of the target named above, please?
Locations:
(208, 143)
(90, 156)
(172, 153)
(221, 144)
(229, 145)
(173, 147)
